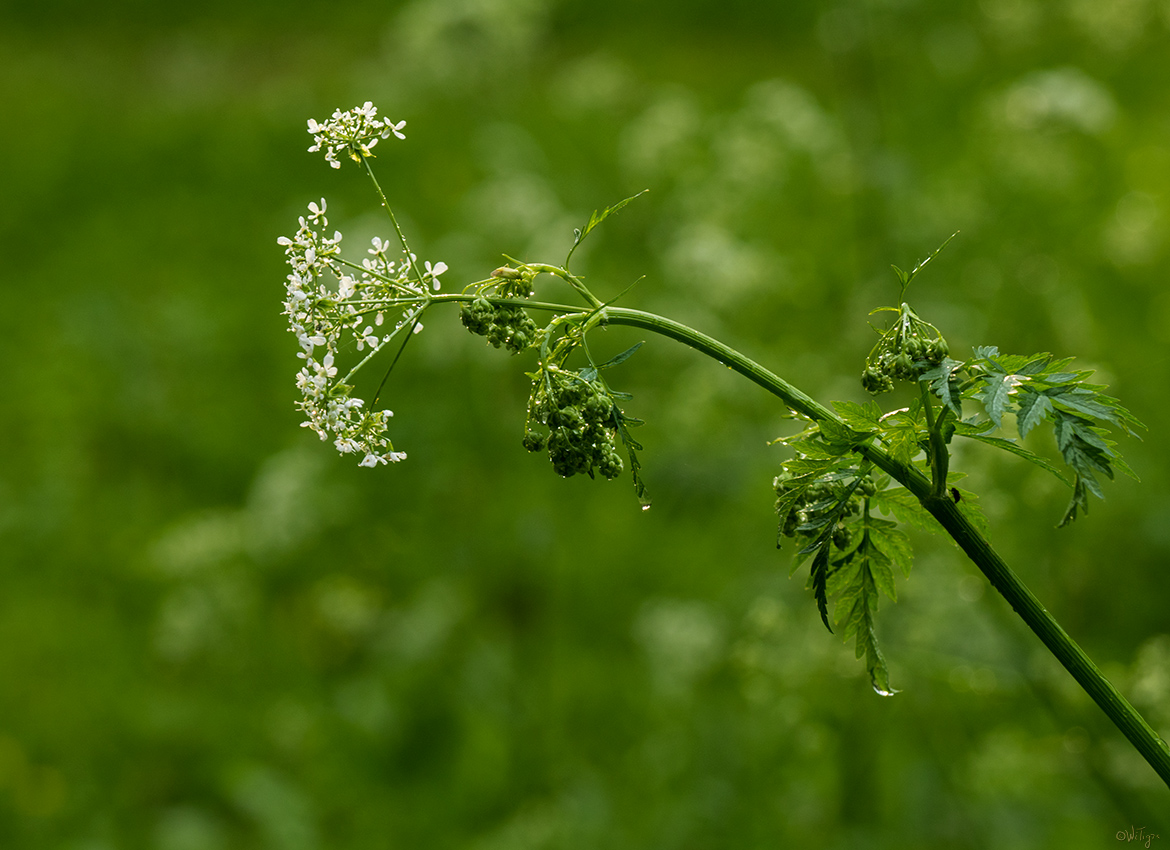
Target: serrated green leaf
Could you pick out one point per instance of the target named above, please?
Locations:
(997, 396)
(1079, 502)
(883, 576)
(813, 524)
(818, 579)
(621, 358)
(904, 443)
(1033, 409)
(1081, 400)
(860, 417)
(875, 662)
(785, 503)
(901, 504)
(1120, 463)
(1033, 364)
(805, 467)
(894, 543)
(632, 449)
(1016, 449)
(1090, 434)
(986, 352)
(849, 612)
(1018, 364)
(845, 575)
(840, 438)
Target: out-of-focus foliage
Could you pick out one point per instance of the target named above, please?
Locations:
(216, 634)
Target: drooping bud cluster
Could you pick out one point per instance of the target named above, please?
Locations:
(816, 505)
(581, 419)
(907, 350)
(504, 325)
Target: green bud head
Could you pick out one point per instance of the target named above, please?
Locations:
(875, 381)
(597, 409)
(611, 465)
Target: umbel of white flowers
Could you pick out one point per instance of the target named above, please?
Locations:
(332, 302)
(354, 132)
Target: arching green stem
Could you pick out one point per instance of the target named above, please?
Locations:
(1147, 742)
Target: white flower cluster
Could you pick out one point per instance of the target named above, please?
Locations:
(354, 133)
(328, 306)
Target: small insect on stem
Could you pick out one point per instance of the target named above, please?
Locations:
(955, 494)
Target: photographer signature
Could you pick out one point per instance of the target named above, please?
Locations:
(1137, 835)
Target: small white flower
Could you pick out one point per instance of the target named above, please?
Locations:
(433, 272)
(365, 338)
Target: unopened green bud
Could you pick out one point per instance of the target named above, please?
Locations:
(937, 351)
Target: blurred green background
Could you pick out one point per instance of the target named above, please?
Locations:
(216, 633)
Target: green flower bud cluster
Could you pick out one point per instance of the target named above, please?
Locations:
(506, 326)
(580, 417)
(815, 502)
(903, 357)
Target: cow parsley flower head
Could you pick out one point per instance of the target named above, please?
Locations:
(335, 306)
(353, 133)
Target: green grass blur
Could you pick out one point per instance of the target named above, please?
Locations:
(217, 634)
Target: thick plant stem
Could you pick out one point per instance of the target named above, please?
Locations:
(1147, 742)
(1117, 707)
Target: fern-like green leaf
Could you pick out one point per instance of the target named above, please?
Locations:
(1034, 408)
(972, 432)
